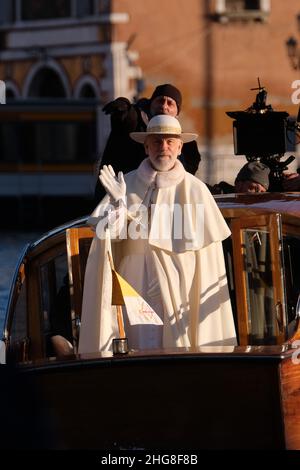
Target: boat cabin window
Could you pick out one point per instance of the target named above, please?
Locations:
(55, 301)
(256, 276)
(291, 251)
(18, 335)
(19, 324)
(263, 272)
(255, 269)
(44, 317)
(259, 285)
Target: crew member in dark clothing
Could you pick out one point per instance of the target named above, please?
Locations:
(252, 177)
(125, 155)
(257, 177)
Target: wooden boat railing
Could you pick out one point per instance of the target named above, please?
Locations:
(78, 240)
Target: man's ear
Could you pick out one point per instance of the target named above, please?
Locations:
(180, 147)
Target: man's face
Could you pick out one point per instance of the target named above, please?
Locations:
(163, 105)
(163, 151)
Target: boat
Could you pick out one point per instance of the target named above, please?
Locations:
(217, 397)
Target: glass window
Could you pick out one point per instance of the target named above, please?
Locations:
(252, 4)
(104, 6)
(84, 8)
(260, 290)
(9, 142)
(87, 92)
(48, 142)
(55, 301)
(57, 142)
(228, 258)
(18, 339)
(47, 84)
(45, 9)
(230, 10)
(19, 323)
(240, 5)
(259, 279)
(7, 11)
(291, 250)
(10, 95)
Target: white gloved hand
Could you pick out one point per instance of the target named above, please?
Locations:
(114, 186)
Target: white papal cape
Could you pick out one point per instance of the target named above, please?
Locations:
(181, 275)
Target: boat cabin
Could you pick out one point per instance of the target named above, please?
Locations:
(258, 379)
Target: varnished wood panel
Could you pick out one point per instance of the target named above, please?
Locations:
(290, 390)
(165, 403)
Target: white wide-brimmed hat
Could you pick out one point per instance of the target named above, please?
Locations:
(163, 124)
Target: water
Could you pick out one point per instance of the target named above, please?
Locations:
(11, 247)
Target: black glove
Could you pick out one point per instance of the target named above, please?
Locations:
(120, 104)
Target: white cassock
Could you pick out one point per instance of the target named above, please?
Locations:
(178, 269)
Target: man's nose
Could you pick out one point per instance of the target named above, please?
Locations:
(165, 105)
(163, 143)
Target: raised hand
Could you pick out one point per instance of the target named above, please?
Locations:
(114, 186)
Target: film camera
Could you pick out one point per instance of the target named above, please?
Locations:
(260, 133)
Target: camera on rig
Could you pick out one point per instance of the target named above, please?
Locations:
(260, 133)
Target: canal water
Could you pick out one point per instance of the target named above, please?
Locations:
(11, 247)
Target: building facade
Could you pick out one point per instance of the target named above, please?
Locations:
(87, 52)
(214, 50)
(59, 62)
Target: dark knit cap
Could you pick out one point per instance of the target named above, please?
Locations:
(254, 171)
(168, 90)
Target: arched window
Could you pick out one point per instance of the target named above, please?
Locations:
(46, 84)
(87, 91)
(87, 87)
(12, 90)
(10, 95)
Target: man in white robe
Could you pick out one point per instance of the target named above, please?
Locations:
(173, 259)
